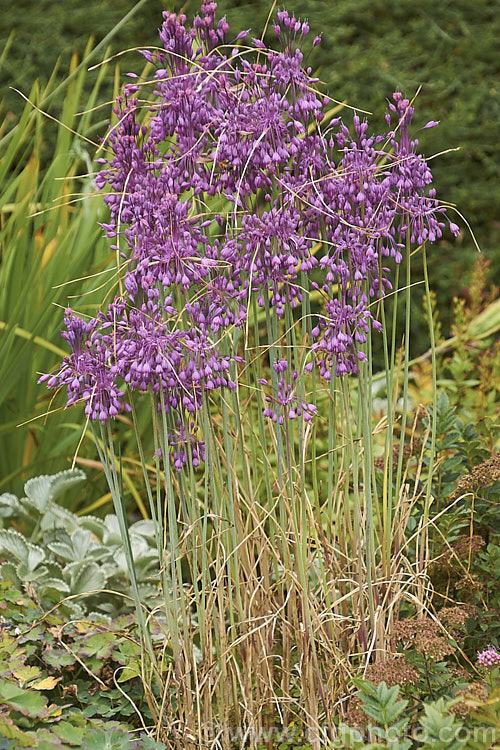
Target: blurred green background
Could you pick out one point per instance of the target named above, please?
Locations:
(370, 48)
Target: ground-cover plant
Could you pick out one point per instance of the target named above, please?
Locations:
(66, 684)
(380, 719)
(54, 552)
(427, 693)
(257, 238)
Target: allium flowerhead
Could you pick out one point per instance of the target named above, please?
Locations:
(89, 373)
(184, 443)
(283, 403)
(489, 657)
(234, 190)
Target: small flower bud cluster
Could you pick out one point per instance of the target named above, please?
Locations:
(284, 402)
(482, 475)
(426, 636)
(454, 618)
(489, 657)
(474, 693)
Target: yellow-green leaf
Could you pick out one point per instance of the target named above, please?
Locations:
(46, 684)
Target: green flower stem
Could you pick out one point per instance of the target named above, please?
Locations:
(352, 457)
(387, 496)
(232, 554)
(404, 411)
(145, 474)
(432, 456)
(107, 458)
(365, 406)
(170, 522)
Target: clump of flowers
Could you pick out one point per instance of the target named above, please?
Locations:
(489, 657)
(354, 715)
(475, 693)
(394, 670)
(184, 442)
(220, 200)
(454, 618)
(454, 567)
(284, 403)
(464, 548)
(426, 636)
(432, 637)
(483, 475)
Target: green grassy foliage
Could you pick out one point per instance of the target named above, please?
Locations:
(49, 235)
(42, 32)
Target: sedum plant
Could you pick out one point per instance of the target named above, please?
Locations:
(78, 557)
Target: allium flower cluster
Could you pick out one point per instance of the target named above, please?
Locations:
(489, 657)
(184, 444)
(139, 349)
(338, 333)
(223, 196)
(89, 373)
(283, 403)
(244, 123)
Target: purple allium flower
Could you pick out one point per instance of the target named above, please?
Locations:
(90, 372)
(166, 242)
(227, 194)
(284, 403)
(338, 336)
(184, 442)
(422, 216)
(274, 248)
(147, 353)
(151, 351)
(489, 657)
